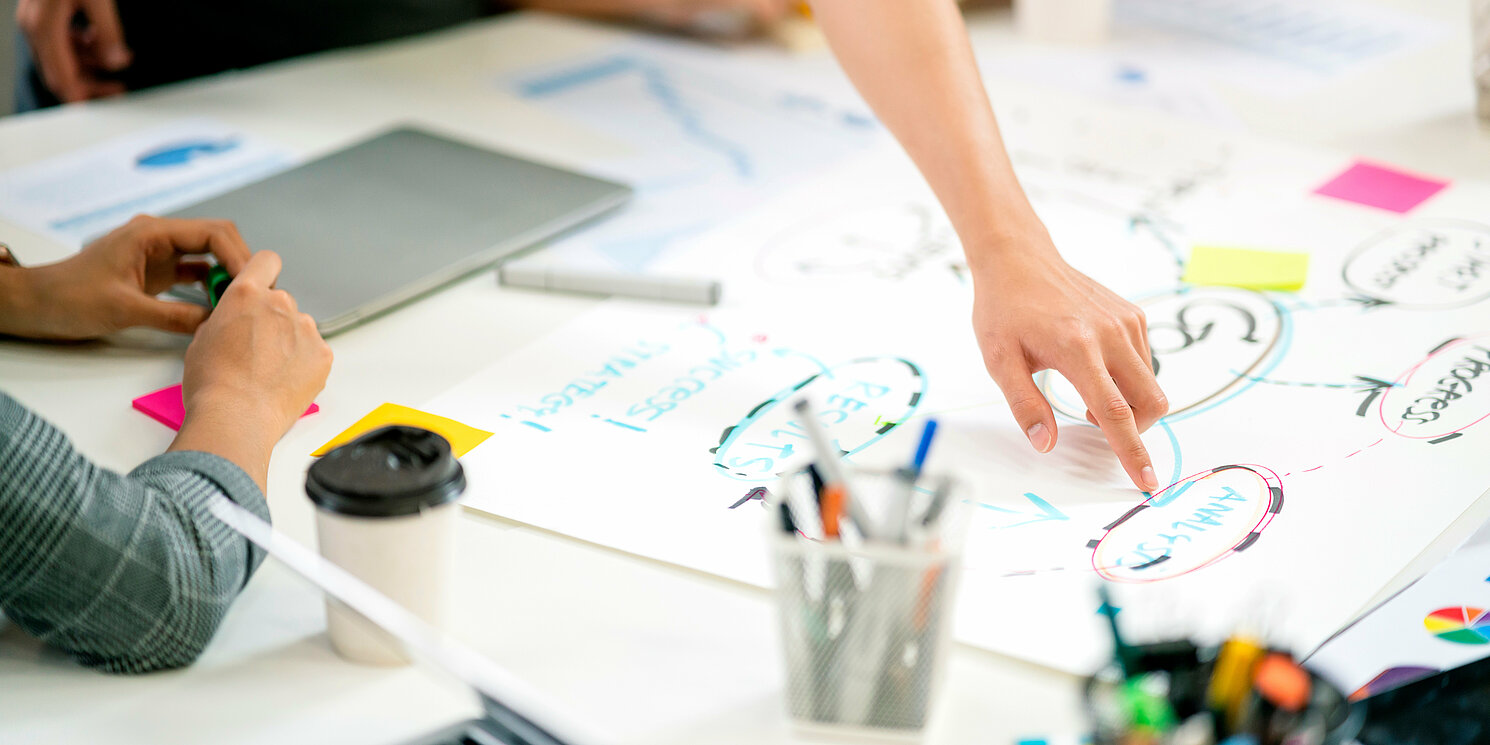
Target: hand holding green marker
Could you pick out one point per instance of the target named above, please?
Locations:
(217, 283)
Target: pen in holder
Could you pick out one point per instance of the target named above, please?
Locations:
(865, 622)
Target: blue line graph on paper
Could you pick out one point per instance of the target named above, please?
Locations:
(76, 196)
(699, 143)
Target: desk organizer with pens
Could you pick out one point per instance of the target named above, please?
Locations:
(865, 623)
(1188, 705)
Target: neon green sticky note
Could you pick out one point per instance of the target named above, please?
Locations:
(1245, 267)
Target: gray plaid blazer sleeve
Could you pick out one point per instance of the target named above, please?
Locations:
(126, 573)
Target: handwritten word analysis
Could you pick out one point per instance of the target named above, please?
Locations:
(1189, 525)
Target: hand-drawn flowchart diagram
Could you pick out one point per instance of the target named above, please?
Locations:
(1316, 441)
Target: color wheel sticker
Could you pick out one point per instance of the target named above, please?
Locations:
(1461, 625)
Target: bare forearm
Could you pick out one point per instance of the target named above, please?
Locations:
(234, 432)
(912, 62)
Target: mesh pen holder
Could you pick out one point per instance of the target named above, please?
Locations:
(865, 628)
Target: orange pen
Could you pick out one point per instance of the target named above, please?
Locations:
(832, 507)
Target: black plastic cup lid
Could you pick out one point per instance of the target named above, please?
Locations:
(389, 472)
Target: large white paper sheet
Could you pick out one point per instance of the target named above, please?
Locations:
(1316, 443)
(1121, 78)
(80, 195)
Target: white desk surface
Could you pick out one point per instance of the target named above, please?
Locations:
(648, 652)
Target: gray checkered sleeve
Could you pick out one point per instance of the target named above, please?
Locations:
(127, 573)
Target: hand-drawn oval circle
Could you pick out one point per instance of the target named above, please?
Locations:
(1443, 395)
(1208, 342)
(859, 401)
(1423, 265)
(1192, 524)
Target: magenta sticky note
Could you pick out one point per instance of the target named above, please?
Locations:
(1379, 186)
(165, 406)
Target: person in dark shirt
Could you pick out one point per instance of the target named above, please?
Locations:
(130, 573)
(82, 49)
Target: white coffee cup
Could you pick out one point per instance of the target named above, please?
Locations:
(386, 512)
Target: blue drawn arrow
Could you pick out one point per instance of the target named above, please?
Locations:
(1047, 512)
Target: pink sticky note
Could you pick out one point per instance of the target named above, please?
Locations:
(165, 406)
(1380, 186)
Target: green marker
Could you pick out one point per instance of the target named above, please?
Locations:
(1147, 710)
(217, 283)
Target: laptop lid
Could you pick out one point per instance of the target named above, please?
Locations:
(396, 216)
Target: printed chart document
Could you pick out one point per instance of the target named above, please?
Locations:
(79, 196)
(1179, 56)
(1317, 440)
(1438, 623)
(1273, 45)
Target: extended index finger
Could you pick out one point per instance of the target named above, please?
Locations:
(1115, 418)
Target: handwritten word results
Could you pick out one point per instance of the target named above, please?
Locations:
(854, 401)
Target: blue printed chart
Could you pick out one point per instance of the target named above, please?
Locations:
(83, 194)
(1317, 440)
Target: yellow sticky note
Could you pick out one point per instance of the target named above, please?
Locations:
(462, 437)
(1245, 267)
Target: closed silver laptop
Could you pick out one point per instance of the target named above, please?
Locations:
(380, 223)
